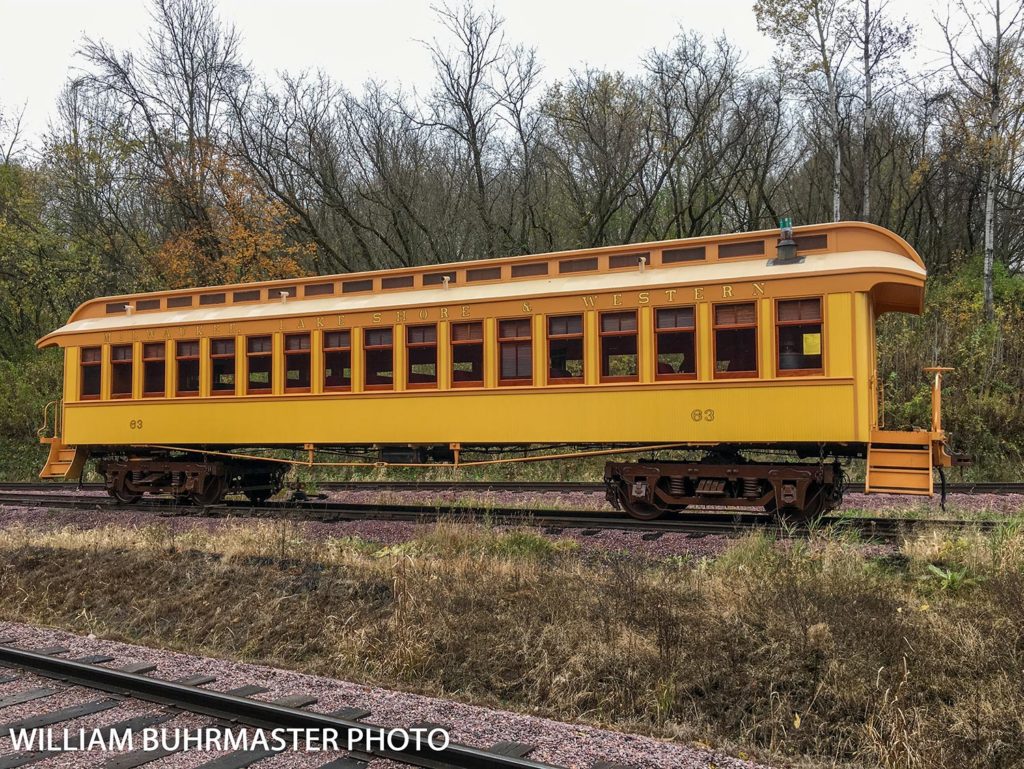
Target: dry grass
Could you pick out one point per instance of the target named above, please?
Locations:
(806, 651)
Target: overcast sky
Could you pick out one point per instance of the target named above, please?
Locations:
(354, 40)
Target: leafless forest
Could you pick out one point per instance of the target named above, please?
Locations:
(177, 164)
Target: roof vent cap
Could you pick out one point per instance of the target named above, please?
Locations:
(786, 248)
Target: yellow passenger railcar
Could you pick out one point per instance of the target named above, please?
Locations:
(752, 341)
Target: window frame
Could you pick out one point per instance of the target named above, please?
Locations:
(307, 351)
(334, 349)
(128, 363)
(499, 340)
(779, 371)
(366, 368)
(581, 335)
(715, 328)
(602, 335)
(214, 392)
(481, 341)
(162, 393)
(82, 364)
(675, 330)
(409, 347)
(178, 358)
(249, 355)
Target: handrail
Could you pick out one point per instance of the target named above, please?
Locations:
(937, 395)
(56, 404)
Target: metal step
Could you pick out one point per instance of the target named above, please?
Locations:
(899, 463)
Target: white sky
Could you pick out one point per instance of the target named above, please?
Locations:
(355, 40)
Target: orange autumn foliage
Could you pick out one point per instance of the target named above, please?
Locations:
(245, 237)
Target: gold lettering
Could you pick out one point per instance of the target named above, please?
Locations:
(465, 311)
(400, 316)
(698, 293)
(589, 301)
(341, 320)
(444, 313)
(319, 321)
(759, 289)
(302, 323)
(423, 314)
(644, 297)
(376, 317)
(726, 292)
(107, 338)
(616, 300)
(670, 294)
(526, 307)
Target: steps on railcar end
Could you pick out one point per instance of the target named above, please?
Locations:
(900, 463)
(63, 461)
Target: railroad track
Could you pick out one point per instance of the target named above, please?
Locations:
(552, 520)
(129, 687)
(997, 487)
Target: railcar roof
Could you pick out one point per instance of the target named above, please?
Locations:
(818, 263)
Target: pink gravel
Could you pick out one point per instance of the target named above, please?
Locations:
(569, 745)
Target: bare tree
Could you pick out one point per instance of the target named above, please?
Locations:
(817, 35)
(881, 42)
(11, 135)
(464, 100)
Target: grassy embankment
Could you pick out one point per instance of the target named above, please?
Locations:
(808, 653)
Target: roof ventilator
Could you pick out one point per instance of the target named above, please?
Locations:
(129, 309)
(642, 263)
(445, 280)
(786, 248)
(284, 296)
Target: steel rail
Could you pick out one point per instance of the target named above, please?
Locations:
(981, 487)
(703, 522)
(255, 713)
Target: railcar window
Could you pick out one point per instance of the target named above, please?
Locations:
(260, 360)
(187, 359)
(421, 347)
(154, 369)
(297, 363)
(676, 343)
(378, 346)
(338, 360)
(222, 368)
(736, 340)
(565, 349)
(121, 375)
(467, 354)
(515, 352)
(618, 347)
(799, 336)
(91, 369)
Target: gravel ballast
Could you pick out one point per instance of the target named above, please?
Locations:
(574, 746)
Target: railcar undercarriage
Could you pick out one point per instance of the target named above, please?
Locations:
(792, 491)
(646, 489)
(194, 480)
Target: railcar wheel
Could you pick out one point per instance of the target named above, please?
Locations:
(815, 505)
(639, 509)
(212, 493)
(124, 497)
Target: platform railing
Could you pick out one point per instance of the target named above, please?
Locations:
(56, 407)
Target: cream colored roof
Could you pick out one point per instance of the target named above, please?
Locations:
(689, 274)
